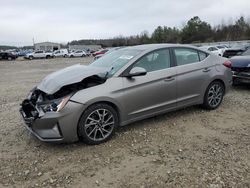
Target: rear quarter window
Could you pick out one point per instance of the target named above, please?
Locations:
(202, 55)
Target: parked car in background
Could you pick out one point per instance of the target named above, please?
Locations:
(61, 53)
(88, 53)
(39, 54)
(127, 85)
(99, 52)
(241, 68)
(22, 53)
(234, 50)
(78, 53)
(109, 51)
(213, 49)
(7, 56)
(222, 48)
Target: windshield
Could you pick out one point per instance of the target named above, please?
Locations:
(220, 47)
(115, 60)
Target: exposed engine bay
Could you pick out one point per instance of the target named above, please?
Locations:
(38, 102)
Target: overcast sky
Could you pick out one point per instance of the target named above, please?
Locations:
(67, 20)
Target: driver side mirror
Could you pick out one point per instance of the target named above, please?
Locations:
(137, 71)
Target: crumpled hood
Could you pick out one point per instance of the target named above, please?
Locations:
(70, 75)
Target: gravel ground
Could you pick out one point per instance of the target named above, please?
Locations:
(186, 148)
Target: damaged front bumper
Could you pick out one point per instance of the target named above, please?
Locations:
(57, 127)
(243, 77)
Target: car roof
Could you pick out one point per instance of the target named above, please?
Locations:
(146, 47)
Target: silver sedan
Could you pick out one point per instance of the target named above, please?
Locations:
(89, 102)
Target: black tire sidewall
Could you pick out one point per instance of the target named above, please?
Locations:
(206, 104)
(81, 130)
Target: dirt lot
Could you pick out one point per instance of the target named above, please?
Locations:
(186, 148)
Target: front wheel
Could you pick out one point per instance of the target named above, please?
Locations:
(97, 124)
(214, 95)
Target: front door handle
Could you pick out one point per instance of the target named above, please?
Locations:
(169, 79)
(206, 70)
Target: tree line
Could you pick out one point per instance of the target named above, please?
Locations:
(194, 31)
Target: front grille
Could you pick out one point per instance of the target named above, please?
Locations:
(29, 109)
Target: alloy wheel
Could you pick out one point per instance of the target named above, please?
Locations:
(215, 95)
(99, 124)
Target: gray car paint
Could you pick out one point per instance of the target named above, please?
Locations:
(142, 103)
(138, 97)
(70, 75)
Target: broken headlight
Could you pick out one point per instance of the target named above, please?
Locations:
(55, 105)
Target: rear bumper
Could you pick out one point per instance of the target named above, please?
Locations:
(57, 127)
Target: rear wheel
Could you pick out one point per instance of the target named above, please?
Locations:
(97, 124)
(214, 95)
(30, 57)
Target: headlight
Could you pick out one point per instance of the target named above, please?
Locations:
(55, 105)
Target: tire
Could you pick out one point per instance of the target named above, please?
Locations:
(30, 57)
(48, 56)
(92, 128)
(214, 95)
(9, 58)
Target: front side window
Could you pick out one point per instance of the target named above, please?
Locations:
(156, 60)
(186, 56)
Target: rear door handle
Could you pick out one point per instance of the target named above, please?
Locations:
(206, 70)
(169, 79)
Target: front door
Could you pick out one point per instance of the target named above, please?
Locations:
(153, 92)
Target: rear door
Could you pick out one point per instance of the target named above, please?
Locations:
(153, 92)
(193, 75)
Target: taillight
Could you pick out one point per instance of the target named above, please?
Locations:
(227, 64)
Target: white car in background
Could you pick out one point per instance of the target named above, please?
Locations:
(61, 53)
(39, 54)
(78, 53)
(213, 49)
(223, 48)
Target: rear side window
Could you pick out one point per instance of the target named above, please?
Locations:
(154, 61)
(186, 56)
